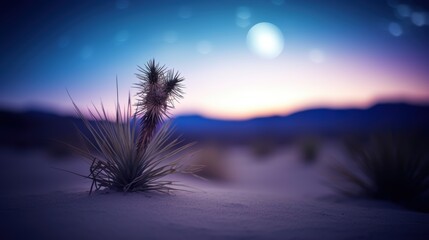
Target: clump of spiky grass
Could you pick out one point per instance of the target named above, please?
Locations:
(129, 160)
(309, 150)
(390, 167)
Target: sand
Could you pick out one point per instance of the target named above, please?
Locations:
(40, 202)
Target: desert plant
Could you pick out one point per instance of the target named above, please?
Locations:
(216, 166)
(157, 91)
(309, 150)
(263, 148)
(129, 157)
(389, 167)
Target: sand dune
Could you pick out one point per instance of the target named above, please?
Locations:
(53, 205)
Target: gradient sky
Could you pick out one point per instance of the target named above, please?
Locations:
(336, 53)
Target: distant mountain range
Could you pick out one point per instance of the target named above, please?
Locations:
(320, 121)
(43, 129)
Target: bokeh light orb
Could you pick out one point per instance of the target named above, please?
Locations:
(403, 10)
(243, 12)
(170, 37)
(86, 52)
(185, 12)
(243, 23)
(265, 40)
(395, 29)
(122, 36)
(204, 47)
(418, 18)
(317, 56)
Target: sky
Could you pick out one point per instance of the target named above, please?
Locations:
(240, 59)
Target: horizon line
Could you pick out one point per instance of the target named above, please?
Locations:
(307, 107)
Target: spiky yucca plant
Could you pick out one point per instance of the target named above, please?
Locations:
(389, 167)
(126, 158)
(157, 90)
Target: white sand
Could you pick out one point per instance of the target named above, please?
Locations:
(284, 200)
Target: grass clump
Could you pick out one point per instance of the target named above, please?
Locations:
(389, 167)
(309, 149)
(215, 166)
(136, 150)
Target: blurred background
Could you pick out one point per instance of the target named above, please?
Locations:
(306, 54)
(280, 81)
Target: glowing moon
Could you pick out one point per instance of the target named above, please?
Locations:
(265, 40)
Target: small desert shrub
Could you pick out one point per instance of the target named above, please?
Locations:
(309, 150)
(214, 164)
(262, 148)
(132, 153)
(393, 168)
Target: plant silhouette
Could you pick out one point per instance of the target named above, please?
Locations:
(136, 150)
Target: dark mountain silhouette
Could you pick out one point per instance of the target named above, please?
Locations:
(40, 130)
(322, 121)
(45, 130)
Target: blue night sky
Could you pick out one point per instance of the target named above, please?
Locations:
(332, 53)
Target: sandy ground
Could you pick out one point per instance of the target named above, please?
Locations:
(276, 199)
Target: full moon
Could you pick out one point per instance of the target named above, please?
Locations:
(265, 40)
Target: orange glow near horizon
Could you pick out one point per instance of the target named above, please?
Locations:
(240, 87)
(257, 88)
